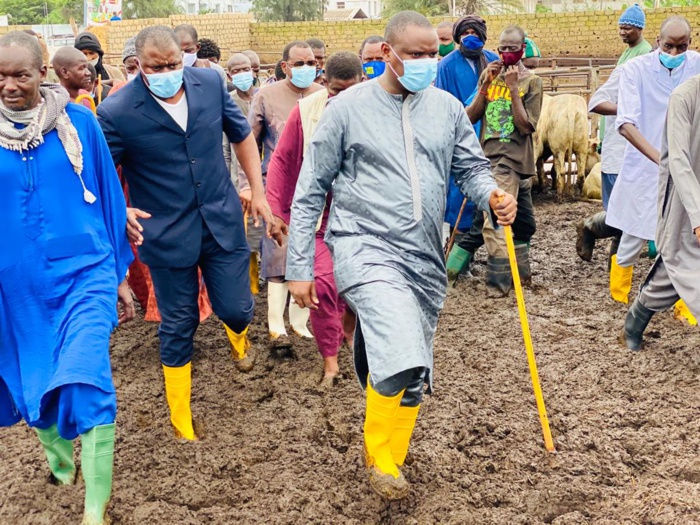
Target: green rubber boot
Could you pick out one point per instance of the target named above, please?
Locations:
(458, 260)
(651, 250)
(97, 463)
(59, 452)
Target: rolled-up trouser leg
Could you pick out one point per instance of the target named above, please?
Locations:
(327, 321)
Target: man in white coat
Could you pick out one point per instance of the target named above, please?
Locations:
(676, 272)
(646, 84)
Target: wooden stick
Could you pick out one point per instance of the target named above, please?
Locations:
(451, 243)
(99, 89)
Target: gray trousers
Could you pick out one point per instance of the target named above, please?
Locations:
(657, 293)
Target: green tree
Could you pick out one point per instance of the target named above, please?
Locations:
(288, 10)
(63, 10)
(150, 8)
(488, 7)
(25, 12)
(424, 7)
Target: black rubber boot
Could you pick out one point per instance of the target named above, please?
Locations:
(522, 255)
(498, 276)
(614, 245)
(638, 317)
(590, 229)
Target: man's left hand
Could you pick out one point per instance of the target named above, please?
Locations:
(126, 301)
(504, 206)
(697, 234)
(511, 78)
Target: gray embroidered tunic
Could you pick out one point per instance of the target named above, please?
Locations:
(387, 162)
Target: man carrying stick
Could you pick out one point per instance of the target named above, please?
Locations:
(389, 188)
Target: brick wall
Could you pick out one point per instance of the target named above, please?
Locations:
(231, 31)
(589, 33)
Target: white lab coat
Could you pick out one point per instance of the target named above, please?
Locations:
(645, 89)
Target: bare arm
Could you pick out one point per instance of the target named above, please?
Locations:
(520, 118)
(249, 161)
(635, 137)
(475, 111)
(605, 109)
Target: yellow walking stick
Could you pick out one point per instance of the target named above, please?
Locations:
(80, 98)
(99, 89)
(548, 443)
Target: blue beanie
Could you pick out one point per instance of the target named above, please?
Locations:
(633, 16)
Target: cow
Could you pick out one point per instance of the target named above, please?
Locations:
(592, 188)
(562, 132)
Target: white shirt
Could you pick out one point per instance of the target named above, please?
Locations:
(177, 111)
(643, 97)
(614, 144)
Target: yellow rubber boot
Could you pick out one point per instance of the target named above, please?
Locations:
(254, 272)
(403, 430)
(380, 418)
(178, 389)
(240, 349)
(680, 312)
(620, 281)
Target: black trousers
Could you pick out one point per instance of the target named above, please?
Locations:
(177, 292)
(524, 226)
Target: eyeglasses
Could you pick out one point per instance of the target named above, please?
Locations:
(300, 63)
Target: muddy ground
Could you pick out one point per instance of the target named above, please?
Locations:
(279, 450)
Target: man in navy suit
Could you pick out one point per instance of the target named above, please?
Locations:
(164, 128)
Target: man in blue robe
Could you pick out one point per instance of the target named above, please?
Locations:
(61, 273)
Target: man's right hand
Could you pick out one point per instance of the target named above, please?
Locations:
(697, 234)
(492, 71)
(279, 230)
(304, 294)
(133, 227)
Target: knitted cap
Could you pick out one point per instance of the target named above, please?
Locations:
(129, 49)
(531, 49)
(633, 16)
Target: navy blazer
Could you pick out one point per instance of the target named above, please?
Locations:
(177, 176)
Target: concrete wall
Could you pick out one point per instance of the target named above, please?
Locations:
(589, 33)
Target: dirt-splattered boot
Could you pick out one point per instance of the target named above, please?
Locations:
(59, 453)
(241, 350)
(457, 263)
(380, 418)
(522, 256)
(682, 313)
(638, 317)
(499, 277)
(590, 229)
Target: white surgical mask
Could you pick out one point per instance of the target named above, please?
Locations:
(130, 76)
(189, 59)
(94, 61)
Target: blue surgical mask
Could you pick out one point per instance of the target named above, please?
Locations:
(303, 76)
(243, 80)
(670, 61)
(472, 42)
(418, 74)
(165, 85)
(374, 69)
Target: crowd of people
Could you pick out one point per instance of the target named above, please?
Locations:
(194, 179)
